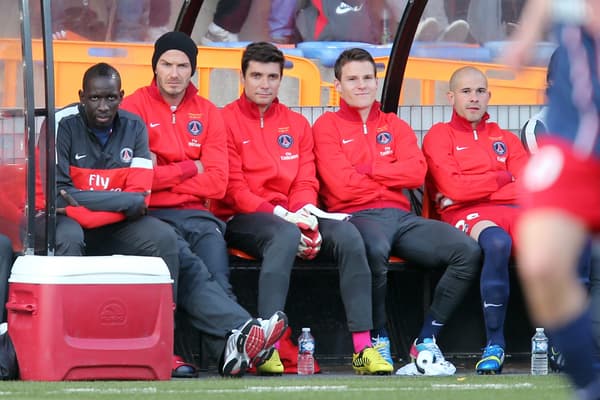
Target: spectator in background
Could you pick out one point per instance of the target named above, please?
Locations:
(560, 191)
(128, 20)
(112, 20)
(332, 20)
(159, 19)
(434, 24)
(270, 205)
(365, 158)
(493, 20)
(227, 22)
(473, 169)
(104, 176)
(139, 20)
(74, 19)
(282, 25)
(230, 17)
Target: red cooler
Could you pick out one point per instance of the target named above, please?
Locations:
(89, 318)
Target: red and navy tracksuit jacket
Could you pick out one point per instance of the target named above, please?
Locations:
(106, 181)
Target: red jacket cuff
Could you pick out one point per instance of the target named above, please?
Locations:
(188, 169)
(266, 207)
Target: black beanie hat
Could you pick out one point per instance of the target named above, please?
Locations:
(175, 41)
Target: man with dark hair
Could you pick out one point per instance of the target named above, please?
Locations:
(365, 158)
(271, 200)
(104, 177)
(103, 164)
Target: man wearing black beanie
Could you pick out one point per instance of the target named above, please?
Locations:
(189, 150)
(175, 41)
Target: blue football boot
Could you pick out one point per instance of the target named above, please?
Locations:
(491, 361)
(383, 346)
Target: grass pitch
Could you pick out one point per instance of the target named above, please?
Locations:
(318, 387)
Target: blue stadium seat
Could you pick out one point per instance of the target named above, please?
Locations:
(327, 52)
(230, 44)
(540, 58)
(293, 51)
(450, 50)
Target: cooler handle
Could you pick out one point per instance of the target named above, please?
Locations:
(18, 307)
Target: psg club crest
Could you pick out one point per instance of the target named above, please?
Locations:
(195, 127)
(285, 141)
(126, 155)
(384, 138)
(499, 148)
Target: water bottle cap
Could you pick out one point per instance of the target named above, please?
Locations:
(539, 329)
(305, 329)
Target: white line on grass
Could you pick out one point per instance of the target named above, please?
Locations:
(108, 390)
(477, 386)
(292, 389)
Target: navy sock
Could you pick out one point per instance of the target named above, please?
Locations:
(496, 245)
(585, 263)
(379, 332)
(576, 342)
(430, 329)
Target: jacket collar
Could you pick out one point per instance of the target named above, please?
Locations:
(251, 109)
(462, 124)
(350, 113)
(190, 91)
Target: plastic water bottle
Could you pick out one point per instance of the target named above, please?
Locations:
(306, 353)
(539, 353)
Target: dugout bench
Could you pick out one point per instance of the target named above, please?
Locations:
(314, 300)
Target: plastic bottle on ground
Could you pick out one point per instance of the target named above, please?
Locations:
(306, 353)
(539, 353)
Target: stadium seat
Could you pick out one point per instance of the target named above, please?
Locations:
(449, 50)
(540, 58)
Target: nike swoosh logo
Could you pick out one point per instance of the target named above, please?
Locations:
(344, 8)
(154, 124)
(459, 148)
(346, 141)
(80, 156)
(486, 305)
(246, 142)
(435, 323)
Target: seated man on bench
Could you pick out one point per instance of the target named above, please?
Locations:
(365, 158)
(270, 204)
(104, 173)
(473, 166)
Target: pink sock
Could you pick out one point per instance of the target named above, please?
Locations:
(361, 340)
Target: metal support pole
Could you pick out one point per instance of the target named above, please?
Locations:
(50, 132)
(403, 40)
(26, 45)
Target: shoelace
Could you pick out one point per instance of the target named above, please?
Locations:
(383, 348)
(432, 347)
(493, 350)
